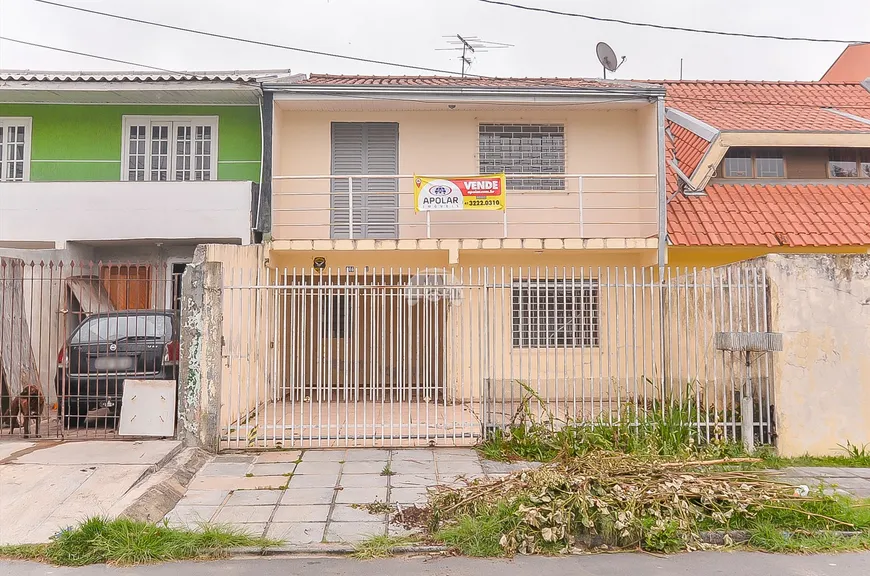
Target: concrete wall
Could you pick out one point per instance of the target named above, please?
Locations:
(821, 304)
(49, 214)
(446, 143)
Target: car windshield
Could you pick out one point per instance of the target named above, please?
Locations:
(105, 329)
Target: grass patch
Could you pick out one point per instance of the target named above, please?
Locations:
(387, 471)
(479, 534)
(768, 537)
(380, 546)
(127, 542)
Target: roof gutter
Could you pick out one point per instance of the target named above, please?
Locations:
(301, 90)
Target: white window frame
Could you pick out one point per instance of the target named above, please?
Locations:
(173, 121)
(27, 122)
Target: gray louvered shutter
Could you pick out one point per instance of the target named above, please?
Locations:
(382, 199)
(348, 157)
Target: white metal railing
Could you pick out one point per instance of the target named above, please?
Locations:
(405, 356)
(626, 205)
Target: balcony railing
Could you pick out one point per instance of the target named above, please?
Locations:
(49, 214)
(320, 207)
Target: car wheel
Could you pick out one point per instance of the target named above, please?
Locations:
(74, 413)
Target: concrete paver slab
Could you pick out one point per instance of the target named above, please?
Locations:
(238, 482)
(306, 513)
(412, 480)
(817, 472)
(365, 454)
(279, 457)
(363, 480)
(204, 498)
(256, 529)
(96, 452)
(347, 513)
(352, 532)
(243, 514)
(299, 496)
(254, 498)
(412, 467)
(413, 455)
(859, 472)
(317, 468)
(364, 467)
(455, 454)
(324, 455)
(191, 515)
(361, 495)
(297, 532)
(235, 458)
(313, 481)
(273, 469)
(408, 495)
(457, 468)
(858, 487)
(225, 469)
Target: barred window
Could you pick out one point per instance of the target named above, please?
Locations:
(524, 149)
(555, 313)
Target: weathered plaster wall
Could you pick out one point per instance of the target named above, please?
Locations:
(821, 304)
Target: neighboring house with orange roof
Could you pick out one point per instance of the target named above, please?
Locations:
(762, 167)
(853, 65)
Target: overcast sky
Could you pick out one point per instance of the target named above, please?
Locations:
(411, 31)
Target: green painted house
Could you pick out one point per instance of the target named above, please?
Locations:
(132, 165)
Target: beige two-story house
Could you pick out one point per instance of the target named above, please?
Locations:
(395, 322)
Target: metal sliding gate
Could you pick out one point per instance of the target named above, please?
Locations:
(398, 357)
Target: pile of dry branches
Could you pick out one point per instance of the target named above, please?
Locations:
(613, 500)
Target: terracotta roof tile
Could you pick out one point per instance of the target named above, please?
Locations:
(824, 214)
(471, 82)
(689, 148)
(772, 106)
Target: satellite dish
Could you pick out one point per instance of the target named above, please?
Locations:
(608, 58)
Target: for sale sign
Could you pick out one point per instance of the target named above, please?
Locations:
(472, 193)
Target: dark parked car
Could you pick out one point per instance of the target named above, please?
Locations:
(106, 349)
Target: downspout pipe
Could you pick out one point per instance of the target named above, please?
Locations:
(264, 216)
(662, 184)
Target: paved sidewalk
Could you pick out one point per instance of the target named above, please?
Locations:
(50, 485)
(851, 481)
(308, 499)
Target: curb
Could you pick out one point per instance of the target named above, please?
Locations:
(327, 550)
(157, 493)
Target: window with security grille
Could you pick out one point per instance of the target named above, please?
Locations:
(527, 149)
(14, 149)
(560, 313)
(170, 148)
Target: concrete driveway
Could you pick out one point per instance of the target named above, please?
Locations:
(49, 485)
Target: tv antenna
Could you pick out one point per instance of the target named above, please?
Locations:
(608, 58)
(471, 46)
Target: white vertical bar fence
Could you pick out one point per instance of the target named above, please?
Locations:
(398, 357)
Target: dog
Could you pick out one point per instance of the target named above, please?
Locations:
(30, 405)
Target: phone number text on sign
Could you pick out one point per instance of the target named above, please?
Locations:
(473, 193)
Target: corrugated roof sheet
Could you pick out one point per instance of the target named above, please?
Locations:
(185, 76)
(824, 214)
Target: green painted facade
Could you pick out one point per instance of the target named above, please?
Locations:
(74, 142)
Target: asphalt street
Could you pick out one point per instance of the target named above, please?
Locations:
(695, 564)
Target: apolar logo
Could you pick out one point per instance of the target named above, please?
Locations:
(439, 195)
